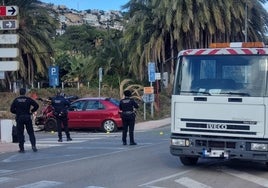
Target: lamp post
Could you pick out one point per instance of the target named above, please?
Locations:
(100, 80)
(246, 22)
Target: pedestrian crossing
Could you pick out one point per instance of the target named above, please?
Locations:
(190, 183)
(77, 138)
(180, 180)
(190, 178)
(185, 179)
(38, 184)
(41, 184)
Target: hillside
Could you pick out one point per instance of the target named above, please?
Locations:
(95, 18)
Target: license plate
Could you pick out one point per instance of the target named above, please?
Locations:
(215, 153)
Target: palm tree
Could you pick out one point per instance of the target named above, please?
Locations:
(156, 30)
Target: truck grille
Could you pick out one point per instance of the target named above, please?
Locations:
(218, 126)
(214, 144)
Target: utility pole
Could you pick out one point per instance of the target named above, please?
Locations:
(246, 22)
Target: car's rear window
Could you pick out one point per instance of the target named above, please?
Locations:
(114, 101)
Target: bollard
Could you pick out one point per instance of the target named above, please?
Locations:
(6, 130)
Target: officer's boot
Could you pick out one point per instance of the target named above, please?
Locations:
(68, 137)
(21, 148)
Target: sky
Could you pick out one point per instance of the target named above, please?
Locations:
(105, 5)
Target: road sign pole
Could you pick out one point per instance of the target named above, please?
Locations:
(152, 104)
(100, 80)
(144, 110)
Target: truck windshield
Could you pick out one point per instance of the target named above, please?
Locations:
(240, 75)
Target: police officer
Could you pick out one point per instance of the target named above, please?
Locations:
(24, 107)
(60, 105)
(128, 115)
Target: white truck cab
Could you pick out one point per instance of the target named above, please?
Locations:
(220, 103)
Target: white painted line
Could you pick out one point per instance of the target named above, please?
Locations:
(163, 178)
(95, 148)
(5, 171)
(86, 158)
(245, 176)
(41, 184)
(6, 179)
(190, 183)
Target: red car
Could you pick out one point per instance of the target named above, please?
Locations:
(85, 113)
(99, 113)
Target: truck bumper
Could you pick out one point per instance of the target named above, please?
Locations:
(220, 147)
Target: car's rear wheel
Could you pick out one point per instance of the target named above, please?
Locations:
(109, 126)
(51, 125)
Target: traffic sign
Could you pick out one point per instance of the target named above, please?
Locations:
(9, 52)
(53, 76)
(9, 24)
(100, 74)
(9, 10)
(9, 38)
(148, 98)
(9, 65)
(151, 71)
(148, 90)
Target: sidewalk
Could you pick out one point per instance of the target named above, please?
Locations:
(152, 124)
(11, 147)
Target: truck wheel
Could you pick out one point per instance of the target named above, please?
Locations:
(51, 125)
(189, 161)
(266, 163)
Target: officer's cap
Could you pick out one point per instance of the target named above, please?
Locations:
(127, 93)
(22, 91)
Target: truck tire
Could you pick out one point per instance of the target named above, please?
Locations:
(189, 161)
(50, 125)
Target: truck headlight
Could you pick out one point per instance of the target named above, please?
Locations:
(180, 142)
(259, 147)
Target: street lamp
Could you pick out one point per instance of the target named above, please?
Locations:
(246, 23)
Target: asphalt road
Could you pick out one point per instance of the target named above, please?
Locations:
(99, 160)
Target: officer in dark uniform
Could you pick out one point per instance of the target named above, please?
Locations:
(128, 115)
(60, 105)
(24, 107)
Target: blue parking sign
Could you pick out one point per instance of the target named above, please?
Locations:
(53, 76)
(151, 71)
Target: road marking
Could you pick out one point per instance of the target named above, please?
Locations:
(148, 184)
(52, 142)
(95, 148)
(80, 159)
(245, 176)
(190, 183)
(41, 184)
(5, 171)
(6, 179)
